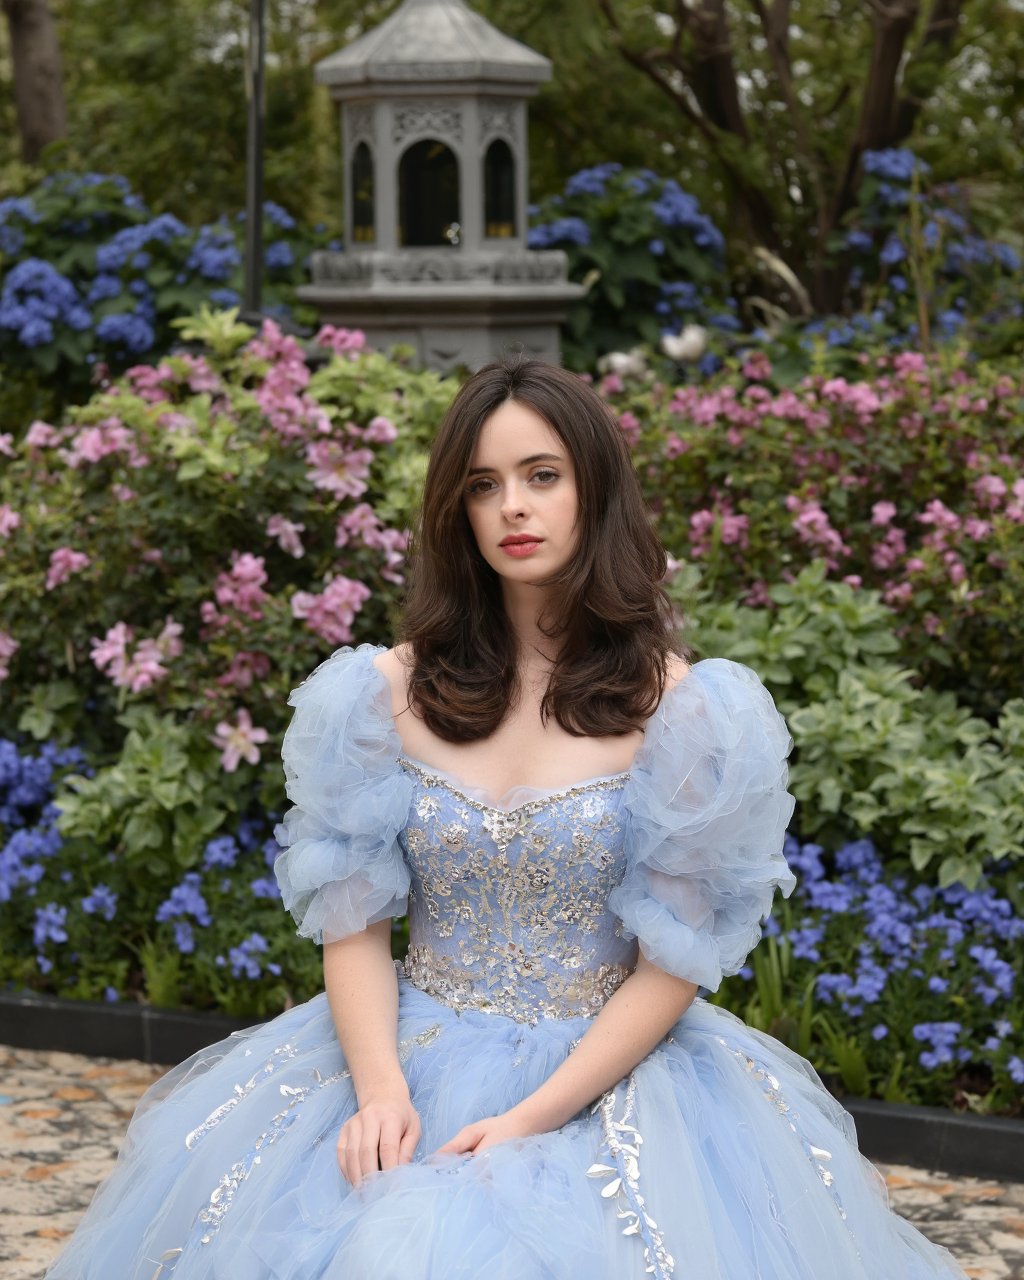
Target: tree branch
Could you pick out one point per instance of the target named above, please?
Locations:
(921, 73)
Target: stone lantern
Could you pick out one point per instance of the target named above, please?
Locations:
(434, 140)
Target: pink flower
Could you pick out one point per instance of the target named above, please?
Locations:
(884, 554)
(853, 580)
(331, 614)
(990, 489)
(360, 522)
(143, 668)
(244, 669)
(758, 367)
(63, 563)
(41, 435)
(238, 741)
(7, 444)
(9, 520)
(675, 446)
(758, 597)
(915, 565)
(937, 513)
(381, 430)
(977, 529)
(629, 424)
(8, 647)
(241, 589)
(341, 471)
(287, 534)
(812, 526)
(342, 341)
(610, 385)
(882, 512)
(932, 623)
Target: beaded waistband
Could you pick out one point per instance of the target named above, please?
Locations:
(560, 994)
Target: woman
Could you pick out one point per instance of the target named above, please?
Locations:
(586, 831)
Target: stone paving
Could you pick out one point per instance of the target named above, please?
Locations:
(62, 1117)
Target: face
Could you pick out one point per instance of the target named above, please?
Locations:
(520, 495)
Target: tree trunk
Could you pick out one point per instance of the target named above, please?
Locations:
(38, 80)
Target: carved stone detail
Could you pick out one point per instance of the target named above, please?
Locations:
(435, 119)
(525, 267)
(361, 123)
(499, 117)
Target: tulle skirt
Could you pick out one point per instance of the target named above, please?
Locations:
(720, 1157)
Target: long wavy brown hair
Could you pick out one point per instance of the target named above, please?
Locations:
(609, 613)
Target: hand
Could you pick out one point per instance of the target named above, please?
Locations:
(382, 1134)
(473, 1138)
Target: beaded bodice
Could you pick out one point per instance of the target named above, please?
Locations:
(508, 907)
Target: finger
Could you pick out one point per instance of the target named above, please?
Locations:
(409, 1140)
(345, 1152)
(463, 1141)
(369, 1157)
(390, 1141)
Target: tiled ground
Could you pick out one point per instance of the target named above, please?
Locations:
(62, 1117)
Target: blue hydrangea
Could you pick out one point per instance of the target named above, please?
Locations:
(184, 938)
(279, 255)
(123, 247)
(892, 251)
(279, 216)
(103, 286)
(562, 231)
(266, 887)
(127, 329)
(214, 254)
(896, 164)
(859, 241)
(225, 297)
(593, 181)
(35, 298)
(13, 211)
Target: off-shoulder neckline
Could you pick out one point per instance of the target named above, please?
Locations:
(383, 694)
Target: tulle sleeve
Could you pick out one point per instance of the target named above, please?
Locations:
(342, 868)
(708, 809)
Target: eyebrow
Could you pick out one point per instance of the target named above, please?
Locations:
(523, 462)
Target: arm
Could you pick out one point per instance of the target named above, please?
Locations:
(362, 991)
(633, 1020)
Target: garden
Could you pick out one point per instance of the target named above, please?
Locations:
(195, 511)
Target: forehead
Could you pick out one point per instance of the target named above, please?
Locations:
(514, 431)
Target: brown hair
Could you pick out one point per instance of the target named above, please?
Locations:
(611, 614)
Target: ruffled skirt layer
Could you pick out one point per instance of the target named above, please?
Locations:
(722, 1156)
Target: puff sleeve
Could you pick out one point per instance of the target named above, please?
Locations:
(341, 867)
(707, 813)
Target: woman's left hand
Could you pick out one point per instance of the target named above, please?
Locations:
(473, 1138)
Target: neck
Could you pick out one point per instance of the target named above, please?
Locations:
(524, 608)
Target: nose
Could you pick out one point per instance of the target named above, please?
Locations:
(514, 505)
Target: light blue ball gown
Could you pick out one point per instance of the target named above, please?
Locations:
(721, 1156)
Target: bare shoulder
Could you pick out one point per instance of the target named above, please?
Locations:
(676, 669)
(394, 664)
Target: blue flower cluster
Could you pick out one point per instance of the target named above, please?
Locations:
(548, 235)
(593, 181)
(214, 254)
(245, 958)
(676, 208)
(12, 236)
(27, 814)
(36, 299)
(186, 899)
(904, 929)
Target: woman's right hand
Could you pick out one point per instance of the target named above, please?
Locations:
(383, 1133)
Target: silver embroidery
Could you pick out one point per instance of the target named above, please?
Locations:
(508, 908)
(770, 1087)
(281, 1053)
(209, 1219)
(622, 1141)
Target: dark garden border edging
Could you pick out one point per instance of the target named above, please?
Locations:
(926, 1137)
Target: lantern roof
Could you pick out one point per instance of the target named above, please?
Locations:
(427, 41)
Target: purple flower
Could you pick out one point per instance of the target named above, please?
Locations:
(49, 926)
(185, 900)
(102, 900)
(184, 938)
(1016, 1069)
(266, 887)
(220, 852)
(879, 1031)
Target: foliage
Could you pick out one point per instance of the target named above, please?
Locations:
(91, 280)
(223, 535)
(906, 481)
(861, 972)
(651, 258)
(898, 991)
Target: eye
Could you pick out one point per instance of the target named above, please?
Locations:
(545, 476)
(478, 487)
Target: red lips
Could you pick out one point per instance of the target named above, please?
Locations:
(519, 537)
